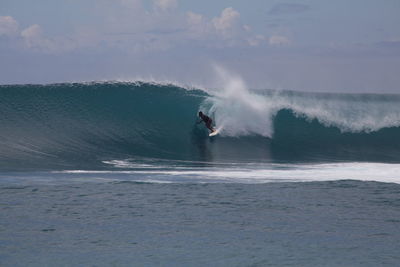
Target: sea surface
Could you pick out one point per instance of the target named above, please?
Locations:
(121, 174)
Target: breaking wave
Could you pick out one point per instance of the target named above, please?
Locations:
(83, 125)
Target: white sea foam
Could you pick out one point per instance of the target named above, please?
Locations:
(262, 173)
(244, 112)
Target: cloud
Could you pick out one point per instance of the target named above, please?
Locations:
(278, 40)
(226, 22)
(224, 30)
(224, 27)
(198, 27)
(288, 8)
(8, 26)
(32, 32)
(33, 38)
(130, 27)
(165, 4)
(256, 40)
(194, 19)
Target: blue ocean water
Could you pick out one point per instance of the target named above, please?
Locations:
(119, 173)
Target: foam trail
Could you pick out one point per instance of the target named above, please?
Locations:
(378, 172)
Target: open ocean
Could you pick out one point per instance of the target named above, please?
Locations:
(120, 174)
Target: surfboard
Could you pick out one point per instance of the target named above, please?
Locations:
(215, 132)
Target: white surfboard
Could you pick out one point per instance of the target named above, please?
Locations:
(215, 132)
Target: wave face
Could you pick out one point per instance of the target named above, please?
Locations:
(83, 125)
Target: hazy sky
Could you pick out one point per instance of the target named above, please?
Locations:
(318, 45)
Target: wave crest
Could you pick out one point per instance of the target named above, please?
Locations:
(244, 112)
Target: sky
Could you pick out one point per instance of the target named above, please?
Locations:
(307, 45)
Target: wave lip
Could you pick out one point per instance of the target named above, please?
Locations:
(245, 112)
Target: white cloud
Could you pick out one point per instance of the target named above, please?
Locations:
(8, 26)
(247, 28)
(224, 30)
(253, 39)
(32, 32)
(194, 19)
(128, 26)
(225, 27)
(278, 40)
(256, 40)
(33, 37)
(165, 4)
(226, 22)
(198, 26)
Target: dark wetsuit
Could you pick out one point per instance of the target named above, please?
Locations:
(208, 121)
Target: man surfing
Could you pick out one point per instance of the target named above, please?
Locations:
(207, 120)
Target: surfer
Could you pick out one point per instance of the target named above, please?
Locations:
(207, 120)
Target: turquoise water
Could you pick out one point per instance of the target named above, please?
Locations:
(120, 174)
(79, 126)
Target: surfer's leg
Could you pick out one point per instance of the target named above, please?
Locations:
(210, 127)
